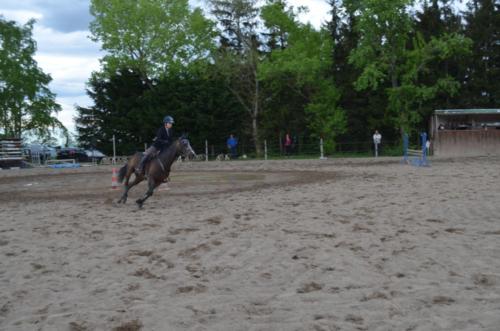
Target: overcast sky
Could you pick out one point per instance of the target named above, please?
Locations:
(69, 56)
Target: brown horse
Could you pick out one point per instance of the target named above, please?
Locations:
(157, 170)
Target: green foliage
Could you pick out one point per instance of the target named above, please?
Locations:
(154, 37)
(238, 57)
(128, 108)
(389, 51)
(482, 84)
(326, 120)
(377, 64)
(26, 103)
(300, 64)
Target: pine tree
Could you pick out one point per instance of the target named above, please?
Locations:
(482, 86)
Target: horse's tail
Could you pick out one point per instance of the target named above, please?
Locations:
(122, 173)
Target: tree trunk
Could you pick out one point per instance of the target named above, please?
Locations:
(394, 83)
(255, 134)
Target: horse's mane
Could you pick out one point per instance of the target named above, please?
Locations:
(172, 146)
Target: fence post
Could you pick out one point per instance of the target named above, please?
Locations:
(281, 144)
(206, 150)
(322, 157)
(265, 149)
(145, 146)
(114, 150)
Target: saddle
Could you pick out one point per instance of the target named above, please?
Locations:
(154, 157)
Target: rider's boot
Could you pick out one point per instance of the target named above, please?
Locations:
(140, 169)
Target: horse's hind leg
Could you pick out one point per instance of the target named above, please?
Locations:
(151, 187)
(127, 187)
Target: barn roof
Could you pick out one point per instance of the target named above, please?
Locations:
(466, 111)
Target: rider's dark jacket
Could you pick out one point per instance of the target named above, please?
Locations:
(163, 138)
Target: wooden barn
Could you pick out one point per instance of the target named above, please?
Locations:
(465, 132)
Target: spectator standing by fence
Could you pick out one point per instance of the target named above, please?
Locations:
(288, 144)
(377, 139)
(232, 144)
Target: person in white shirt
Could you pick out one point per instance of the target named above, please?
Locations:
(377, 139)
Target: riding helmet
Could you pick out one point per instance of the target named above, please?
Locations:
(168, 119)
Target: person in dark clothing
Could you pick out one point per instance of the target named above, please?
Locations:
(164, 138)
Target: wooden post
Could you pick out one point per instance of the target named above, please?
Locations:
(206, 150)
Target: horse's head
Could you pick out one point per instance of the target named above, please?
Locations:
(184, 148)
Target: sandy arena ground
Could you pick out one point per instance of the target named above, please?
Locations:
(342, 244)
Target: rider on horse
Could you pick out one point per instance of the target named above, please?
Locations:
(164, 137)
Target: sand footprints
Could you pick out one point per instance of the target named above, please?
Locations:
(310, 287)
(484, 280)
(216, 220)
(78, 326)
(152, 265)
(354, 319)
(134, 325)
(5, 308)
(442, 300)
(192, 252)
(202, 315)
(146, 273)
(194, 289)
(175, 232)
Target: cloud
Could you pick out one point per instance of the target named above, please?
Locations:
(21, 16)
(57, 42)
(63, 48)
(68, 112)
(64, 16)
(69, 73)
(318, 11)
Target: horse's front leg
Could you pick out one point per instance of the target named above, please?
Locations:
(151, 187)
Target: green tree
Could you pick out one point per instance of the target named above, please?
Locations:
(301, 65)
(364, 110)
(127, 107)
(153, 37)
(482, 85)
(26, 102)
(438, 18)
(118, 110)
(239, 56)
(389, 51)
